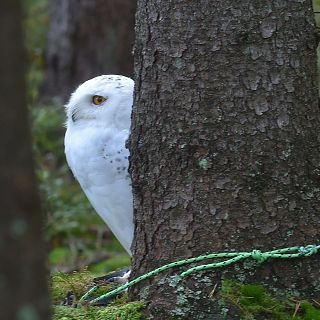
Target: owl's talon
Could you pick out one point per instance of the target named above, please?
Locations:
(118, 277)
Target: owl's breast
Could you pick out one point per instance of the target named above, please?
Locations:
(97, 157)
(99, 161)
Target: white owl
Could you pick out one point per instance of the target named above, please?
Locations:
(98, 125)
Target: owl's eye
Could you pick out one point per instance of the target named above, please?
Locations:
(97, 100)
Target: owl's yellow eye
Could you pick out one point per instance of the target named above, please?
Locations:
(97, 100)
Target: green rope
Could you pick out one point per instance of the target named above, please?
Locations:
(233, 257)
(88, 293)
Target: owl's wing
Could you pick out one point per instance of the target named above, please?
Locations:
(100, 164)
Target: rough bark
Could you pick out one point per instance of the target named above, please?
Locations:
(87, 38)
(225, 145)
(23, 279)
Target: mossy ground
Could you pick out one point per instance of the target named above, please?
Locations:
(255, 303)
(79, 283)
(128, 311)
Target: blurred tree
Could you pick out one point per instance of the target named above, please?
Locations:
(23, 281)
(87, 38)
(225, 145)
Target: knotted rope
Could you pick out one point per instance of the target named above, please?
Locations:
(231, 258)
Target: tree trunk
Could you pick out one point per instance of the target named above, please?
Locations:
(224, 145)
(87, 38)
(23, 279)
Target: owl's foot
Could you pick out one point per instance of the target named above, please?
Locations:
(69, 300)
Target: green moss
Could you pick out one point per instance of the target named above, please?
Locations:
(128, 311)
(79, 283)
(310, 312)
(255, 302)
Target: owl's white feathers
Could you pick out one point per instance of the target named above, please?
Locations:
(96, 152)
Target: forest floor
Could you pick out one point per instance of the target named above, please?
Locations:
(67, 289)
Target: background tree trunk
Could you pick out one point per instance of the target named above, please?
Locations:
(225, 144)
(23, 280)
(87, 38)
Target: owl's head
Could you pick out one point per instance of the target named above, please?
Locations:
(105, 100)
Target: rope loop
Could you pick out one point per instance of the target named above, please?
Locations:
(258, 256)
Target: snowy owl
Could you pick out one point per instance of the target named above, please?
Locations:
(98, 125)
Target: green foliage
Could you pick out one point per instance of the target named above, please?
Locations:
(66, 206)
(48, 131)
(118, 261)
(255, 302)
(36, 26)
